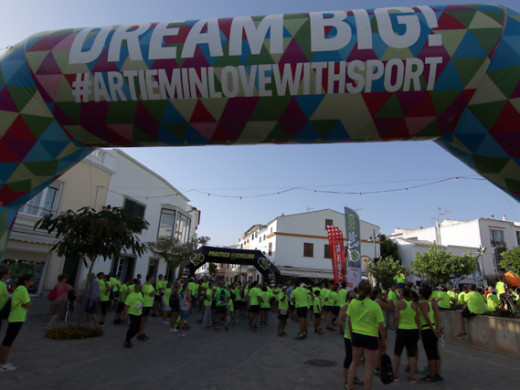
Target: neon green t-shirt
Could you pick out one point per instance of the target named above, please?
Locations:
(333, 298)
(4, 294)
(407, 317)
(392, 296)
(283, 302)
(445, 302)
(493, 302)
(167, 295)
(500, 287)
(461, 298)
(104, 291)
(300, 294)
(115, 283)
(400, 278)
(231, 306)
(208, 297)
(148, 299)
(365, 316)
(266, 297)
(342, 297)
(18, 312)
(123, 293)
(253, 295)
(135, 301)
(317, 305)
(476, 303)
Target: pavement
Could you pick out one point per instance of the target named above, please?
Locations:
(210, 360)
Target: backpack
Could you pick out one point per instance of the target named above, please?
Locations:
(387, 373)
(53, 294)
(4, 313)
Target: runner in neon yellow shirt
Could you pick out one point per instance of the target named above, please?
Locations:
(149, 293)
(20, 303)
(300, 298)
(283, 311)
(133, 309)
(317, 312)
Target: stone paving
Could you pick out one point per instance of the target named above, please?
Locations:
(210, 360)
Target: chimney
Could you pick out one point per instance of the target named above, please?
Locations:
(504, 218)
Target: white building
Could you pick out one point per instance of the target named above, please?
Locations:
(105, 177)
(298, 244)
(458, 237)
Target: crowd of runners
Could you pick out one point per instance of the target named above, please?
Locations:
(363, 316)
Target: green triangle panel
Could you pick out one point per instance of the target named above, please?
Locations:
(489, 164)
(392, 109)
(42, 168)
(506, 79)
(270, 108)
(121, 112)
(467, 68)
(278, 134)
(465, 17)
(487, 113)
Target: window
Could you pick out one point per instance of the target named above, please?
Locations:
(328, 222)
(308, 249)
(42, 204)
(270, 249)
(326, 252)
(518, 237)
(166, 223)
(135, 209)
(497, 238)
(173, 224)
(182, 227)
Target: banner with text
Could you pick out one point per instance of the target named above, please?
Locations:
(354, 248)
(337, 253)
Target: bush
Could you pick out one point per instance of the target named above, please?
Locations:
(73, 333)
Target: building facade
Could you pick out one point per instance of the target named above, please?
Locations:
(298, 244)
(488, 236)
(105, 177)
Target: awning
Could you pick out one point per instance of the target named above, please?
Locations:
(306, 273)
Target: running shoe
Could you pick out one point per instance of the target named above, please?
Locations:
(7, 367)
(429, 379)
(461, 335)
(412, 381)
(438, 378)
(358, 381)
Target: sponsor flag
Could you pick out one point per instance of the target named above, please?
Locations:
(352, 227)
(337, 253)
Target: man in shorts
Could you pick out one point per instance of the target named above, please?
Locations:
(300, 298)
(475, 305)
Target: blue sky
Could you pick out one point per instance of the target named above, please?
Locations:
(250, 171)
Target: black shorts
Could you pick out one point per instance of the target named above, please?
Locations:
(466, 313)
(302, 312)
(430, 344)
(327, 308)
(317, 315)
(220, 310)
(239, 305)
(363, 341)
(335, 310)
(254, 309)
(406, 338)
(348, 353)
(120, 307)
(146, 311)
(157, 298)
(282, 316)
(264, 309)
(104, 306)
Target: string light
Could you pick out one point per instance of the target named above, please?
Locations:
(306, 188)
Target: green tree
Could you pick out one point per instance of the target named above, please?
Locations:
(87, 234)
(389, 248)
(212, 269)
(384, 270)
(175, 253)
(511, 260)
(438, 267)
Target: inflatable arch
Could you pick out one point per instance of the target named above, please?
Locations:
(444, 73)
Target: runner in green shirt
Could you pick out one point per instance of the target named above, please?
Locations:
(148, 294)
(20, 303)
(283, 311)
(133, 309)
(4, 294)
(300, 296)
(222, 298)
(123, 293)
(316, 310)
